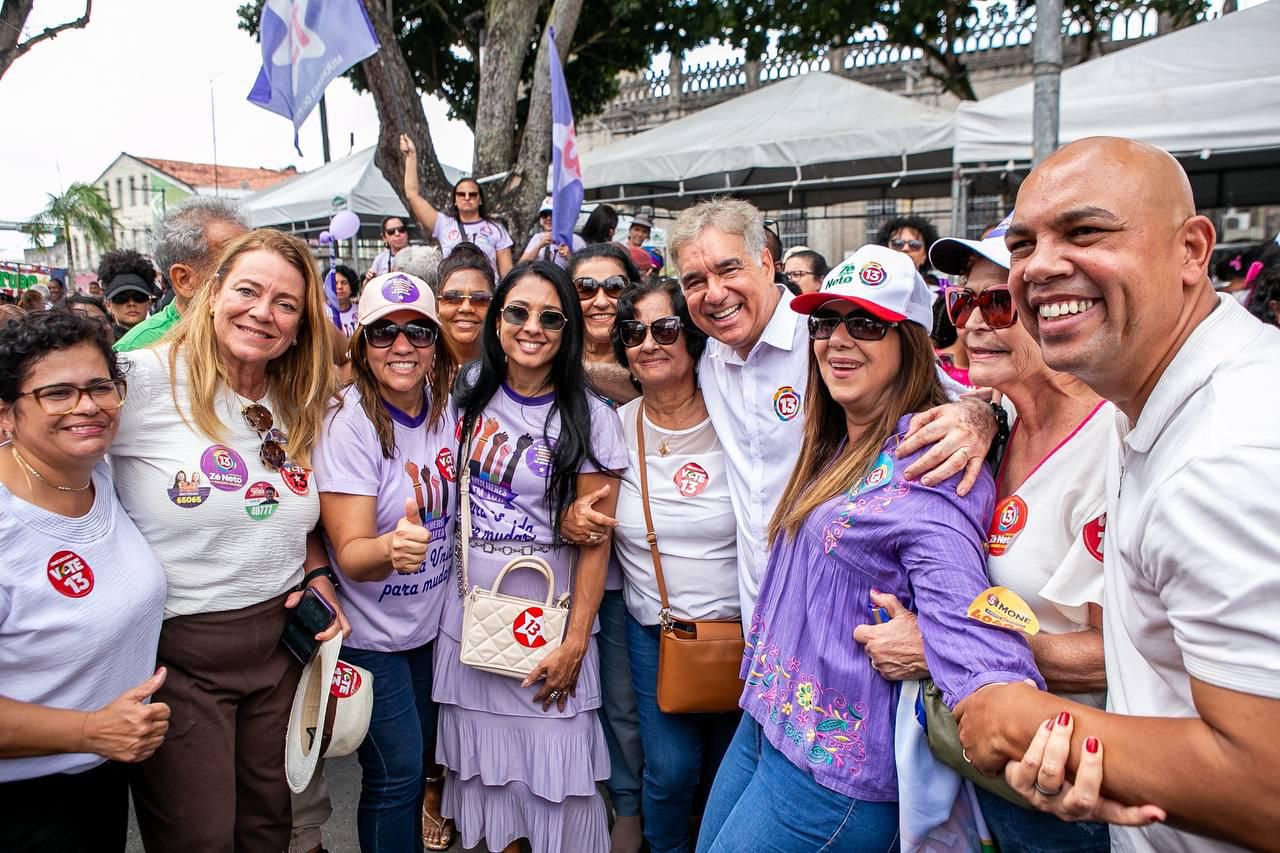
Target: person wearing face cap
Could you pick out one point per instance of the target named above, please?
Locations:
(818, 726)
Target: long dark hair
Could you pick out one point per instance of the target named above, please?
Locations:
(600, 224)
(571, 405)
(453, 200)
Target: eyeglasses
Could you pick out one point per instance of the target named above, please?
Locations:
(63, 399)
(797, 275)
(403, 229)
(549, 319)
(898, 244)
(464, 194)
(665, 331)
(457, 297)
(130, 296)
(418, 333)
(612, 285)
(272, 453)
(995, 302)
(859, 326)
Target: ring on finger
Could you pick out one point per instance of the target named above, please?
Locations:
(554, 695)
(1044, 792)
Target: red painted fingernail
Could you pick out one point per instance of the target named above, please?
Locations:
(1064, 719)
(875, 591)
(1050, 725)
(1091, 744)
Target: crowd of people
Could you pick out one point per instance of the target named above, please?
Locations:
(842, 473)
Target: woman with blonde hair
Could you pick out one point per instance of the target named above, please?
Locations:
(236, 394)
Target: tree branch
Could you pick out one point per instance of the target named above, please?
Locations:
(10, 55)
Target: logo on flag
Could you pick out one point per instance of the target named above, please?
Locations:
(566, 170)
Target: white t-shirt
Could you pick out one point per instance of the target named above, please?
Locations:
(229, 531)
(549, 252)
(490, 236)
(1192, 539)
(344, 320)
(1045, 539)
(692, 517)
(81, 601)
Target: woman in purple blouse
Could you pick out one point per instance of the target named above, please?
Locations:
(812, 764)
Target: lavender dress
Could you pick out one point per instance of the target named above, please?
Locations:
(514, 770)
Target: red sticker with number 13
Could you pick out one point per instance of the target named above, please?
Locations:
(70, 575)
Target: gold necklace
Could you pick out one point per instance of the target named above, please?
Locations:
(40, 477)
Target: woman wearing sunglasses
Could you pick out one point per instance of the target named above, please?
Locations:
(599, 273)
(385, 474)
(466, 219)
(1045, 540)
(466, 286)
(818, 732)
(523, 758)
(697, 540)
(236, 394)
(81, 595)
(911, 235)
(395, 236)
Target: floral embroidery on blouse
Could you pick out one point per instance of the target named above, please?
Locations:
(880, 477)
(819, 720)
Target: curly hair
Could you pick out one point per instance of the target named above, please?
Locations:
(26, 340)
(928, 233)
(119, 261)
(353, 280)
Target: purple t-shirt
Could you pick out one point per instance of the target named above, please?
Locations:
(808, 684)
(490, 236)
(403, 611)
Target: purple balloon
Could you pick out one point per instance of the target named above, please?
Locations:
(344, 225)
(325, 238)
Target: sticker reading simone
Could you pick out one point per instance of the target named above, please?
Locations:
(1001, 607)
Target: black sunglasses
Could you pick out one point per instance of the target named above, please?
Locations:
(898, 244)
(457, 297)
(403, 229)
(464, 194)
(131, 296)
(549, 319)
(996, 304)
(612, 285)
(859, 326)
(382, 335)
(665, 331)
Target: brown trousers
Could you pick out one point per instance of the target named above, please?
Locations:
(217, 784)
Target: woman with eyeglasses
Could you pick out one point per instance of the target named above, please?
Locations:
(466, 286)
(1045, 540)
(688, 496)
(819, 730)
(523, 757)
(466, 220)
(81, 596)
(384, 469)
(236, 395)
(395, 236)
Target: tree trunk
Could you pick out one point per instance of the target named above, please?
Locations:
(71, 261)
(508, 30)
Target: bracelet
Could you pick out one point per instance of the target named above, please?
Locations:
(322, 571)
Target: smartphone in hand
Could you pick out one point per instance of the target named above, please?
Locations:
(312, 615)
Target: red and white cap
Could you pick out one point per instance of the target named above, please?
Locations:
(882, 282)
(396, 291)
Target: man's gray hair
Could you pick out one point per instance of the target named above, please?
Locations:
(180, 237)
(730, 215)
(422, 261)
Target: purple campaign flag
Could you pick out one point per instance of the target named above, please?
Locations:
(305, 44)
(566, 171)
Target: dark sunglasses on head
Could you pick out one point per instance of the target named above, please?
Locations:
(898, 244)
(272, 453)
(861, 327)
(402, 229)
(665, 331)
(549, 318)
(420, 333)
(457, 297)
(612, 285)
(996, 304)
(129, 296)
(465, 194)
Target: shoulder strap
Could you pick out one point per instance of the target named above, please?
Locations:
(464, 498)
(650, 536)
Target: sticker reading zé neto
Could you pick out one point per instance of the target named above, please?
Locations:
(223, 468)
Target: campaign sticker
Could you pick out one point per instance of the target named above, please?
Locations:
(528, 628)
(1001, 607)
(261, 500)
(1094, 532)
(70, 574)
(224, 468)
(879, 475)
(399, 288)
(444, 463)
(538, 457)
(346, 680)
(691, 479)
(188, 491)
(786, 403)
(297, 478)
(1009, 519)
(872, 274)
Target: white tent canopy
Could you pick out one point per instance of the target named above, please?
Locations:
(1214, 86)
(352, 183)
(813, 133)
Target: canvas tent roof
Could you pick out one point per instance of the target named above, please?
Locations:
(810, 139)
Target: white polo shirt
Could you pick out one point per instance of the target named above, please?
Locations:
(1192, 560)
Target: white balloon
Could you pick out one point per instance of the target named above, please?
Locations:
(344, 225)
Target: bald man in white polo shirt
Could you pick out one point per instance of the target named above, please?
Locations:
(1110, 275)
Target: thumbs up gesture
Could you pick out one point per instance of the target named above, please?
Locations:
(129, 729)
(409, 540)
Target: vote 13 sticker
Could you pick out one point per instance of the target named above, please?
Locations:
(346, 680)
(691, 479)
(261, 500)
(70, 574)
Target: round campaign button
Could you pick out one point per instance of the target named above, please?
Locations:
(528, 628)
(296, 478)
(223, 468)
(538, 457)
(786, 403)
(70, 574)
(188, 490)
(691, 479)
(346, 681)
(1009, 519)
(261, 500)
(1094, 533)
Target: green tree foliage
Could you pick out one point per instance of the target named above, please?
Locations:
(82, 206)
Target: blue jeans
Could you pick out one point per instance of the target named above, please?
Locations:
(763, 803)
(679, 749)
(397, 750)
(618, 707)
(1017, 830)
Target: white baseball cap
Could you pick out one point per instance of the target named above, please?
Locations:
(951, 254)
(547, 206)
(330, 713)
(396, 291)
(879, 280)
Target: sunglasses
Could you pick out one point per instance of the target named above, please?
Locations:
(612, 285)
(416, 332)
(996, 304)
(665, 330)
(457, 297)
(463, 194)
(403, 229)
(549, 319)
(272, 453)
(859, 326)
(898, 244)
(131, 296)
